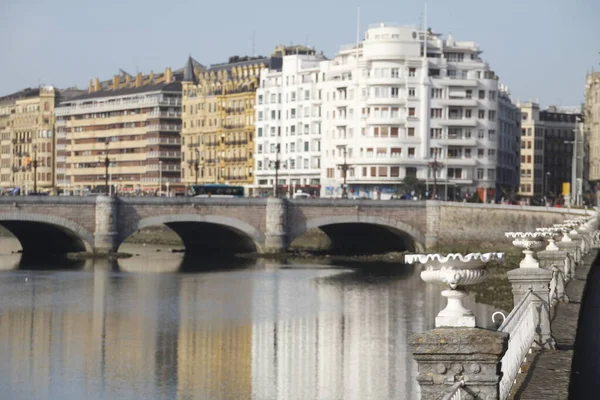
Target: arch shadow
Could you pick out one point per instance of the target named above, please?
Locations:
(43, 235)
(206, 233)
(349, 225)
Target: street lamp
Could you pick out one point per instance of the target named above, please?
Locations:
(545, 188)
(277, 165)
(435, 165)
(575, 195)
(344, 167)
(35, 164)
(197, 163)
(106, 161)
(160, 177)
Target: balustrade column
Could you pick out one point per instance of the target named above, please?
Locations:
(574, 254)
(558, 258)
(538, 281)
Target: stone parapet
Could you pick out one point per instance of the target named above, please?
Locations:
(448, 355)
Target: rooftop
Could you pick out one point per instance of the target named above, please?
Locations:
(163, 87)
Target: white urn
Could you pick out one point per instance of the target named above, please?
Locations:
(553, 234)
(455, 270)
(528, 241)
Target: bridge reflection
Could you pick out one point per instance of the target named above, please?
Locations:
(253, 333)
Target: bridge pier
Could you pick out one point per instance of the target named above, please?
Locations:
(276, 236)
(106, 234)
(433, 224)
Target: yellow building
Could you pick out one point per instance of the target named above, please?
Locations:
(27, 139)
(133, 128)
(217, 136)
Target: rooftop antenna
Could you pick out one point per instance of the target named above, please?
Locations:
(357, 32)
(425, 33)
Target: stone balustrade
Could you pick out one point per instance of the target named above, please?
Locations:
(457, 360)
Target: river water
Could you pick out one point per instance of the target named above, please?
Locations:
(158, 326)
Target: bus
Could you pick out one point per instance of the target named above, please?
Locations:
(217, 190)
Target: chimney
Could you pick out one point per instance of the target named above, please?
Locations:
(115, 82)
(138, 79)
(96, 85)
(168, 75)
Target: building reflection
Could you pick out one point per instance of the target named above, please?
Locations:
(255, 333)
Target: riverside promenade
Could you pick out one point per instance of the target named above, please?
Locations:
(572, 370)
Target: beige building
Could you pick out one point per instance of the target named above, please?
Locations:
(27, 139)
(547, 144)
(592, 124)
(218, 121)
(135, 129)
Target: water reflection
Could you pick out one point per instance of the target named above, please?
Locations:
(262, 331)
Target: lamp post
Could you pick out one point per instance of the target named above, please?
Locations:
(197, 163)
(435, 165)
(160, 177)
(35, 169)
(344, 167)
(277, 165)
(106, 165)
(545, 188)
(574, 192)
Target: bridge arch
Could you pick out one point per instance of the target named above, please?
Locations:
(413, 239)
(43, 234)
(201, 232)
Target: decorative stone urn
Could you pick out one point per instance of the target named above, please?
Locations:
(565, 231)
(554, 233)
(455, 270)
(528, 241)
(573, 225)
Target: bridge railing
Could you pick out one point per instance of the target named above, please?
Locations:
(467, 358)
(520, 326)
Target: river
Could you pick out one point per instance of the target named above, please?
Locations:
(161, 326)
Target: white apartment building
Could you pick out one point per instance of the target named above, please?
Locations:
(392, 111)
(289, 126)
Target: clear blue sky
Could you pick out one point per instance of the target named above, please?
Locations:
(539, 48)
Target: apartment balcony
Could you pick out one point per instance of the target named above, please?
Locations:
(458, 161)
(236, 142)
(464, 102)
(385, 121)
(230, 127)
(388, 80)
(458, 121)
(235, 159)
(232, 110)
(163, 168)
(115, 105)
(60, 122)
(163, 128)
(456, 140)
(387, 101)
(172, 141)
(455, 81)
(163, 154)
(164, 114)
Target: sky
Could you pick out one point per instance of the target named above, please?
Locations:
(541, 49)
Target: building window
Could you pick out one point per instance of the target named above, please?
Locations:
(330, 172)
(482, 95)
(383, 171)
(395, 72)
(435, 133)
(395, 92)
(480, 173)
(411, 92)
(412, 72)
(411, 152)
(436, 113)
(394, 131)
(437, 93)
(394, 172)
(411, 111)
(411, 132)
(481, 114)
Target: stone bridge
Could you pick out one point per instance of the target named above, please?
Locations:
(47, 225)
